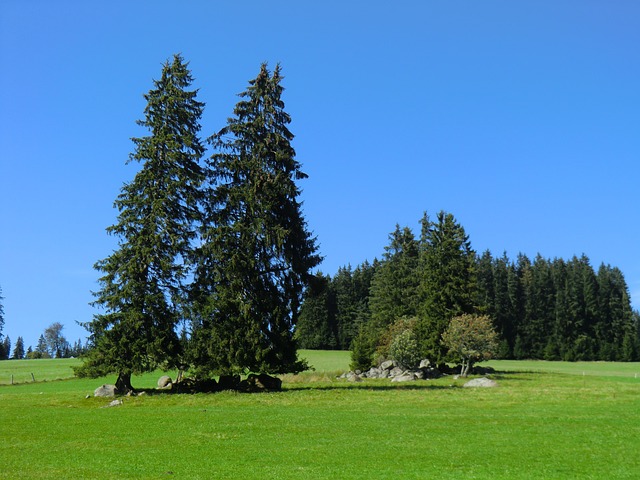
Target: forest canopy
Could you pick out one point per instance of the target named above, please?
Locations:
(552, 309)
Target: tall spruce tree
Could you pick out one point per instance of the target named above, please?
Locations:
(448, 281)
(395, 285)
(18, 350)
(141, 287)
(257, 254)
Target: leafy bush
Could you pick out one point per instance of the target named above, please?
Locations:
(404, 349)
(471, 338)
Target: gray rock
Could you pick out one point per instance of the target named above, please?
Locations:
(373, 373)
(424, 363)
(262, 383)
(388, 365)
(405, 377)
(106, 391)
(395, 372)
(481, 382)
(114, 403)
(165, 382)
(353, 377)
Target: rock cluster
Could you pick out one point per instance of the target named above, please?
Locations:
(393, 371)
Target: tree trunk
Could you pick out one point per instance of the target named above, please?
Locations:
(464, 370)
(123, 384)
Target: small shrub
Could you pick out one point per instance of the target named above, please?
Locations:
(404, 349)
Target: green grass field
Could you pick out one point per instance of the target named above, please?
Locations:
(536, 424)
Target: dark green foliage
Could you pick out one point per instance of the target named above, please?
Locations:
(364, 347)
(5, 349)
(448, 281)
(1, 313)
(394, 287)
(545, 309)
(316, 328)
(18, 350)
(256, 254)
(343, 308)
(142, 281)
(394, 293)
(560, 310)
(42, 350)
(399, 342)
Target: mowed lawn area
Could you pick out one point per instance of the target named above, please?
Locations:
(545, 420)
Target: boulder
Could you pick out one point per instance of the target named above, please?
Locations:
(395, 372)
(165, 382)
(388, 365)
(481, 382)
(353, 377)
(405, 377)
(106, 391)
(264, 382)
(373, 373)
(424, 363)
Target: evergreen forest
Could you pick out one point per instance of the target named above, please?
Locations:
(551, 309)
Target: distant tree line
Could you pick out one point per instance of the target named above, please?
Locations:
(541, 309)
(51, 344)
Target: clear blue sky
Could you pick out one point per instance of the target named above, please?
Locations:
(520, 118)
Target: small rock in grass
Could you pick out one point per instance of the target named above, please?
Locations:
(106, 391)
(405, 377)
(165, 382)
(481, 382)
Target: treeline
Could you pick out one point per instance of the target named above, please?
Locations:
(51, 344)
(541, 308)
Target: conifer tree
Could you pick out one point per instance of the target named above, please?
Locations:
(316, 328)
(257, 254)
(448, 281)
(141, 285)
(395, 286)
(1, 313)
(6, 348)
(18, 350)
(351, 316)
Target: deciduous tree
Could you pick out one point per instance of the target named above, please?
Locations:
(57, 345)
(471, 338)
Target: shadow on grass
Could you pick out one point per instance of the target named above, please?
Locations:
(367, 386)
(376, 385)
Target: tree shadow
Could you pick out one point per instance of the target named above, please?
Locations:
(414, 386)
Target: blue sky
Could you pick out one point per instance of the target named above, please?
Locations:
(520, 118)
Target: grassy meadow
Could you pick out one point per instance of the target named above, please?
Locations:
(546, 420)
